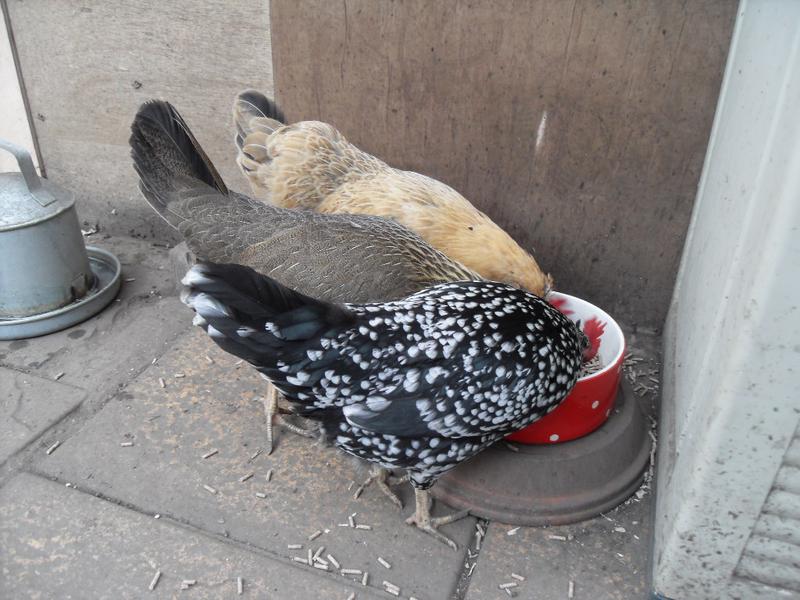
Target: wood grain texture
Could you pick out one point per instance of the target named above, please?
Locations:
(580, 127)
(88, 65)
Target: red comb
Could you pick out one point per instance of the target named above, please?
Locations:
(559, 304)
(593, 328)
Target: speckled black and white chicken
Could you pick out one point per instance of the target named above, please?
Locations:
(419, 384)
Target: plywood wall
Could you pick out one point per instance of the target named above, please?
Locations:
(88, 64)
(578, 126)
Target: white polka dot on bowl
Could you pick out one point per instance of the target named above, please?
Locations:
(595, 404)
(554, 437)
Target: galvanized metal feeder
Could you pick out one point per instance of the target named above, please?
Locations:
(48, 279)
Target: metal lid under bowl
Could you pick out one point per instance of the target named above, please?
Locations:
(107, 276)
(559, 483)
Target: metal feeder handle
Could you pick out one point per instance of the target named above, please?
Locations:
(32, 180)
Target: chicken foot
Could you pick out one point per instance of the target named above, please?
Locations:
(273, 414)
(380, 476)
(423, 520)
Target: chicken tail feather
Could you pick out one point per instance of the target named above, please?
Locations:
(253, 316)
(167, 157)
(253, 111)
(257, 118)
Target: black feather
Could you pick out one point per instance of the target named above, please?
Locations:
(248, 300)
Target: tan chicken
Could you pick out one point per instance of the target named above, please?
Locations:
(311, 165)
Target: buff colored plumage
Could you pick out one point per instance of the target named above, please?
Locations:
(311, 165)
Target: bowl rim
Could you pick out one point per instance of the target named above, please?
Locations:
(609, 321)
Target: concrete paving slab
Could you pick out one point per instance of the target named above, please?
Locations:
(104, 351)
(211, 403)
(29, 405)
(61, 543)
(604, 558)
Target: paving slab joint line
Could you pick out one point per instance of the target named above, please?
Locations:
(82, 412)
(465, 577)
(24, 453)
(192, 528)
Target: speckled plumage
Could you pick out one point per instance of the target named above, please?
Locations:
(310, 164)
(421, 383)
(340, 258)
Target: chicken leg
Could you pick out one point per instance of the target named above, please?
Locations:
(381, 476)
(423, 520)
(273, 414)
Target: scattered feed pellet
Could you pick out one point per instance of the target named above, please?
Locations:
(383, 563)
(209, 360)
(591, 366)
(350, 572)
(365, 578)
(59, 375)
(269, 475)
(517, 577)
(352, 596)
(315, 535)
(300, 560)
(391, 588)
(321, 567)
(295, 546)
(261, 495)
(334, 562)
(239, 586)
(210, 453)
(154, 581)
(162, 383)
(52, 448)
(179, 375)
(209, 489)
(126, 444)
(513, 531)
(571, 590)
(319, 551)
(560, 538)
(510, 584)
(360, 526)
(244, 478)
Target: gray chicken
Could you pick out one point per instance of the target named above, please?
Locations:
(335, 258)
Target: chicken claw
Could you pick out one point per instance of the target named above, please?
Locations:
(423, 520)
(273, 414)
(381, 477)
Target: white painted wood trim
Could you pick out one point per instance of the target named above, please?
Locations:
(14, 125)
(732, 339)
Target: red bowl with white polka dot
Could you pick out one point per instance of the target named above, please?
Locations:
(589, 403)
